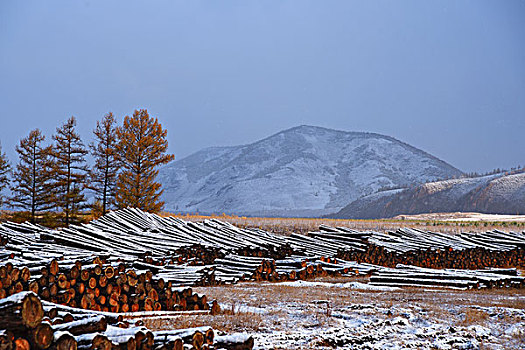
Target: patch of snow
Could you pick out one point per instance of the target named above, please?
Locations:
(349, 285)
(517, 329)
(16, 298)
(480, 331)
(244, 308)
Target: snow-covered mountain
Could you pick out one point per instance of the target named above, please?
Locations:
(303, 171)
(494, 194)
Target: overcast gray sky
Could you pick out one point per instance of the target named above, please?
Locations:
(445, 76)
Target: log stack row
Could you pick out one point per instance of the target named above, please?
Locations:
(134, 233)
(21, 315)
(100, 287)
(438, 258)
(412, 276)
(213, 252)
(25, 323)
(195, 255)
(295, 268)
(131, 234)
(234, 268)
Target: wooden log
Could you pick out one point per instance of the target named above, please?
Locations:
(130, 344)
(22, 344)
(6, 340)
(53, 267)
(101, 342)
(209, 336)
(33, 287)
(15, 274)
(86, 325)
(178, 344)
(22, 310)
(42, 336)
(74, 272)
(64, 341)
(198, 340)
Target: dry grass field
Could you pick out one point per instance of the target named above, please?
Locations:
(430, 222)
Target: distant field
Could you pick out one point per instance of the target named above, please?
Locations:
(465, 217)
(443, 222)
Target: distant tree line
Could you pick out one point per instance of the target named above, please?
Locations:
(48, 184)
(514, 170)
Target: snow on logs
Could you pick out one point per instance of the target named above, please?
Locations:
(213, 252)
(100, 287)
(131, 233)
(23, 314)
(412, 276)
(27, 324)
(438, 257)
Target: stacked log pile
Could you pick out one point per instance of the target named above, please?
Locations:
(435, 250)
(407, 275)
(213, 252)
(100, 287)
(195, 254)
(23, 314)
(133, 233)
(25, 323)
(130, 234)
(428, 249)
(339, 267)
(440, 258)
(234, 268)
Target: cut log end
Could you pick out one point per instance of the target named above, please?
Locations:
(6, 340)
(32, 311)
(43, 336)
(66, 342)
(198, 340)
(22, 344)
(178, 344)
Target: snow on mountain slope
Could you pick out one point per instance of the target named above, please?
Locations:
(494, 194)
(303, 171)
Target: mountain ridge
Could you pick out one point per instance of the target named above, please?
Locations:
(491, 194)
(301, 171)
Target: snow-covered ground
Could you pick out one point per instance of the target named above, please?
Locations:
(492, 217)
(345, 315)
(459, 216)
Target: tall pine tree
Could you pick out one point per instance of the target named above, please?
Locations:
(32, 187)
(142, 149)
(70, 170)
(5, 169)
(103, 174)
